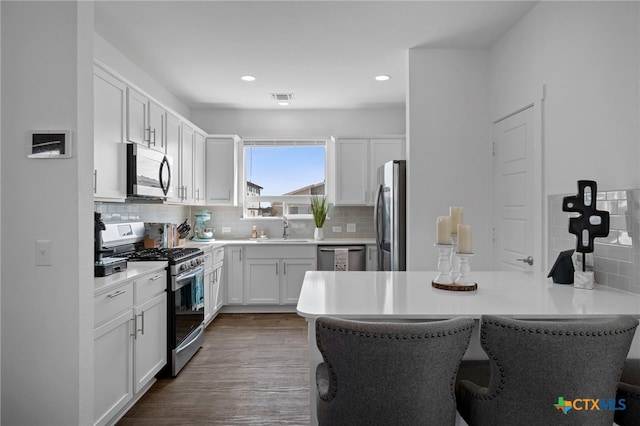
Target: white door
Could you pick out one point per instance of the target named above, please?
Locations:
(514, 189)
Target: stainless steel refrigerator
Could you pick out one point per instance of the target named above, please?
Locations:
(390, 216)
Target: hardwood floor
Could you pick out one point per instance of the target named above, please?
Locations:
(252, 369)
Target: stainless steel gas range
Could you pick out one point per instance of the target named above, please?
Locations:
(185, 289)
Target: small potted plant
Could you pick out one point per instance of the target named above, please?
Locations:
(319, 209)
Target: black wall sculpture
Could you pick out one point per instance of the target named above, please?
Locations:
(592, 223)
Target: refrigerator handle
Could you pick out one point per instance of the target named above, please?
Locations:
(376, 217)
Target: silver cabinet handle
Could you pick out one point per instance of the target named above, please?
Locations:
(135, 326)
(156, 278)
(141, 330)
(95, 181)
(276, 269)
(528, 260)
(229, 195)
(284, 268)
(116, 294)
(154, 136)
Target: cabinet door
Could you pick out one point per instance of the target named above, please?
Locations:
(186, 163)
(157, 118)
(137, 117)
(199, 160)
(150, 339)
(220, 171)
(262, 281)
(352, 172)
(293, 271)
(113, 367)
(381, 151)
(173, 130)
(372, 258)
(209, 302)
(109, 159)
(218, 289)
(234, 275)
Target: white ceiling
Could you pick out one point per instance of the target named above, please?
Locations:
(324, 52)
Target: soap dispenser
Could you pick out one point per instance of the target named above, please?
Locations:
(254, 232)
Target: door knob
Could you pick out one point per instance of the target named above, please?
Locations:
(528, 260)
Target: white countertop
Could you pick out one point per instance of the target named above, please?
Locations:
(134, 269)
(273, 241)
(410, 295)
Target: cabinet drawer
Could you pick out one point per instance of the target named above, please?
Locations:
(150, 285)
(113, 302)
(218, 255)
(286, 251)
(208, 260)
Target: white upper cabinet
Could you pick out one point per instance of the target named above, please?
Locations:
(221, 169)
(109, 180)
(199, 159)
(352, 172)
(172, 132)
(357, 161)
(145, 121)
(157, 125)
(186, 163)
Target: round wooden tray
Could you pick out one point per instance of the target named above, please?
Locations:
(455, 287)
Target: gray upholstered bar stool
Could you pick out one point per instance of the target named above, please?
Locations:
(378, 373)
(629, 390)
(537, 365)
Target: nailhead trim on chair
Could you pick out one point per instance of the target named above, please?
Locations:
(333, 389)
(530, 330)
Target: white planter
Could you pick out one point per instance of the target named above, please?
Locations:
(318, 234)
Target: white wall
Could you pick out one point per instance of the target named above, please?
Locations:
(111, 56)
(47, 311)
(449, 149)
(587, 56)
(301, 123)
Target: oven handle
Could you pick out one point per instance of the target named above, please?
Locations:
(186, 345)
(186, 276)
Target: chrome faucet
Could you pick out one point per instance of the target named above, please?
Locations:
(285, 228)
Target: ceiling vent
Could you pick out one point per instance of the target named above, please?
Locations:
(282, 97)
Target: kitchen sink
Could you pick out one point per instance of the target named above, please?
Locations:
(282, 240)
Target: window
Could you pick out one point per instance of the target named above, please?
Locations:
(281, 175)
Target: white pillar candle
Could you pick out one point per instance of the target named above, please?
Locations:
(456, 218)
(464, 239)
(444, 230)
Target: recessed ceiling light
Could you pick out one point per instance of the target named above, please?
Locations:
(382, 78)
(284, 103)
(247, 78)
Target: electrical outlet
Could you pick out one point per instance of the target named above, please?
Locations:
(226, 230)
(351, 227)
(336, 229)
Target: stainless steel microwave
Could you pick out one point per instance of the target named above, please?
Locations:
(148, 172)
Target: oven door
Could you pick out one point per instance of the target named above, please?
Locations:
(188, 304)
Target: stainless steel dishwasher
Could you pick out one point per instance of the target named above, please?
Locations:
(357, 257)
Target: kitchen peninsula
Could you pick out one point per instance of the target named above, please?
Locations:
(409, 296)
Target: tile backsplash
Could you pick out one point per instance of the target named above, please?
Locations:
(616, 258)
(230, 218)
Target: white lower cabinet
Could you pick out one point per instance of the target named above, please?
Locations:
(234, 275)
(213, 294)
(112, 367)
(150, 340)
(274, 275)
(372, 258)
(130, 342)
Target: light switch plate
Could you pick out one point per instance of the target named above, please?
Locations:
(43, 252)
(226, 229)
(336, 229)
(351, 227)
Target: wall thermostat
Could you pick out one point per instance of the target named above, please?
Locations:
(49, 144)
